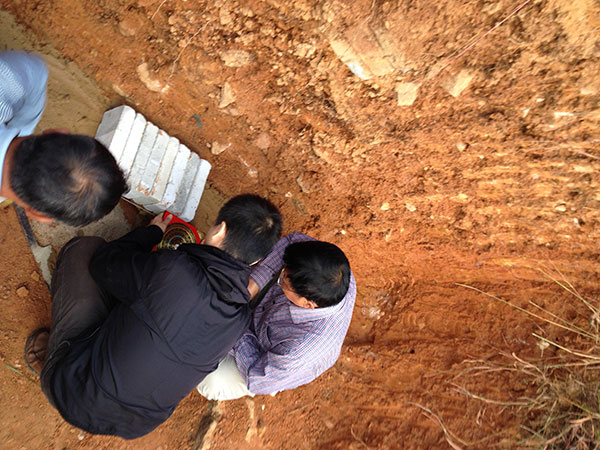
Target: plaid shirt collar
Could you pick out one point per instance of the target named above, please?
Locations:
(300, 315)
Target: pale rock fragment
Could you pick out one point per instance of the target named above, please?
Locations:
(407, 93)
(217, 148)
(236, 58)
(227, 96)
(151, 84)
(457, 84)
(263, 141)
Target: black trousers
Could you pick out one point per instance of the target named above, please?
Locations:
(79, 305)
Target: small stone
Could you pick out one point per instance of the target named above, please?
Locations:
(461, 146)
(407, 93)
(561, 208)
(458, 83)
(410, 207)
(236, 58)
(304, 50)
(22, 292)
(225, 17)
(35, 276)
(588, 90)
(227, 96)
(217, 148)
(305, 185)
(150, 83)
(130, 25)
(119, 91)
(247, 11)
(263, 141)
(385, 206)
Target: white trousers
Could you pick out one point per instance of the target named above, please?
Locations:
(225, 383)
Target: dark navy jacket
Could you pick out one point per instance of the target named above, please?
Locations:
(178, 314)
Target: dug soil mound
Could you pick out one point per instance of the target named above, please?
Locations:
(435, 142)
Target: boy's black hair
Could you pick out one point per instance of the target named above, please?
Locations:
(318, 271)
(67, 177)
(253, 227)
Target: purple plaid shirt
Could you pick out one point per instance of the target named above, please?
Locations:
(291, 346)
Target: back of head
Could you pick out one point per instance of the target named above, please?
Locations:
(70, 178)
(318, 271)
(253, 227)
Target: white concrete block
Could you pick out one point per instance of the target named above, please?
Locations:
(176, 176)
(114, 129)
(191, 205)
(156, 208)
(139, 164)
(133, 143)
(152, 166)
(164, 172)
(186, 185)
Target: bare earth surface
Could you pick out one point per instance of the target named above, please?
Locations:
(487, 173)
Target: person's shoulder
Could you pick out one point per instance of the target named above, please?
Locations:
(297, 236)
(19, 59)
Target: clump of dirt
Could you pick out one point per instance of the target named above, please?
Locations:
(377, 126)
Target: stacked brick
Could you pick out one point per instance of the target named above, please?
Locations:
(162, 173)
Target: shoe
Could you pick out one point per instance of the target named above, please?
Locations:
(35, 350)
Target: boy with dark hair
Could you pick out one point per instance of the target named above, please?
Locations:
(250, 222)
(298, 327)
(70, 178)
(134, 334)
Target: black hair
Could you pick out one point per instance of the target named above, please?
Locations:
(68, 177)
(253, 227)
(318, 271)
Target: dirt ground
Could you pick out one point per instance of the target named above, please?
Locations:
(488, 173)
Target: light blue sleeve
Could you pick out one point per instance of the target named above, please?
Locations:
(23, 78)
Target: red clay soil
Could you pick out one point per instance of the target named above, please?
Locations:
(478, 188)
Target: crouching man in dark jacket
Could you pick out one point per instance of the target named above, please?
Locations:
(134, 334)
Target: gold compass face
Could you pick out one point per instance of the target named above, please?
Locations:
(175, 235)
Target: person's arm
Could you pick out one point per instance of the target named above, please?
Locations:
(124, 267)
(24, 76)
(265, 270)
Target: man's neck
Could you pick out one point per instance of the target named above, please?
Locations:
(5, 189)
